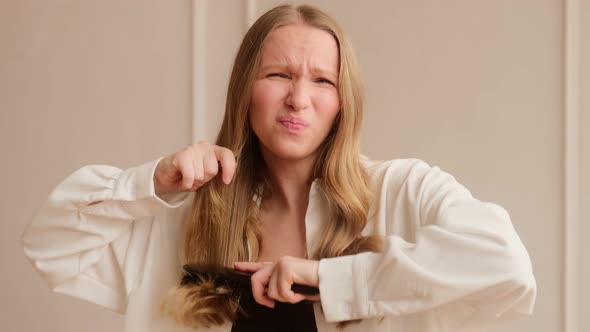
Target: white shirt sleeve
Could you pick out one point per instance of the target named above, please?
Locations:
(457, 252)
(90, 237)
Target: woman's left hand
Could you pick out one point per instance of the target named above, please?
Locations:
(273, 281)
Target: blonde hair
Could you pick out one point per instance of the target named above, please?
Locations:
(225, 218)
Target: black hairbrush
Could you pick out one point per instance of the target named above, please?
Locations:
(234, 279)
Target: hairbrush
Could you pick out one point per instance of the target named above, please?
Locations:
(234, 279)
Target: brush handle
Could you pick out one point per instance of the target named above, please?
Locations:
(305, 290)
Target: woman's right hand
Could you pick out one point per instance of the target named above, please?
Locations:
(192, 167)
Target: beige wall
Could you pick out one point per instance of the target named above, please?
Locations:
(81, 82)
(475, 87)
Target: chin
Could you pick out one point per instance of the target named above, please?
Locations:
(290, 151)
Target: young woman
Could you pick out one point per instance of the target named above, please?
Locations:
(284, 193)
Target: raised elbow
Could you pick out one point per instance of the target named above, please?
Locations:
(514, 291)
(523, 286)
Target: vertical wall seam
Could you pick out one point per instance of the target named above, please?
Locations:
(572, 178)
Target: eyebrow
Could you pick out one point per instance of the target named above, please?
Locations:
(314, 70)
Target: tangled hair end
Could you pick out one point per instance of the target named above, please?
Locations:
(200, 305)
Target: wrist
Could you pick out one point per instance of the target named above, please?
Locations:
(311, 272)
(158, 188)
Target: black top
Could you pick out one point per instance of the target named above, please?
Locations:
(284, 317)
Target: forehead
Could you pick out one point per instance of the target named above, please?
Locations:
(300, 44)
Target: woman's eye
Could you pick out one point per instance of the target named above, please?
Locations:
(281, 75)
(326, 81)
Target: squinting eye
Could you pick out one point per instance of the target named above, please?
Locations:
(281, 75)
(323, 80)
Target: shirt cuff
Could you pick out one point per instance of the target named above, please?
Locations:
(135, 188)
(343, 288)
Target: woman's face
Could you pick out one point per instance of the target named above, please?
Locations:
(295, 97)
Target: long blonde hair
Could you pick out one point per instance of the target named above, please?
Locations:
(224, 225)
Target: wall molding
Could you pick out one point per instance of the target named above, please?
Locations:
(572, 169)
(199, 64)
(250, 14)
(199, 70)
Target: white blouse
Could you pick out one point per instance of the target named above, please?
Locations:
(450, 261)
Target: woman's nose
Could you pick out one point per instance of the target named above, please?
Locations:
(299, 97)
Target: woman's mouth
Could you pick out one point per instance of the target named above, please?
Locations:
(292, 123)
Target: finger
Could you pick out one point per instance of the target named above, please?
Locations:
(198, 165)
(279, 288)
(248, 266)
(259, 280)
(227, 160)
(183, 163)
(296, 297)
(283, 288)
(210, 165)
(271, 288)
